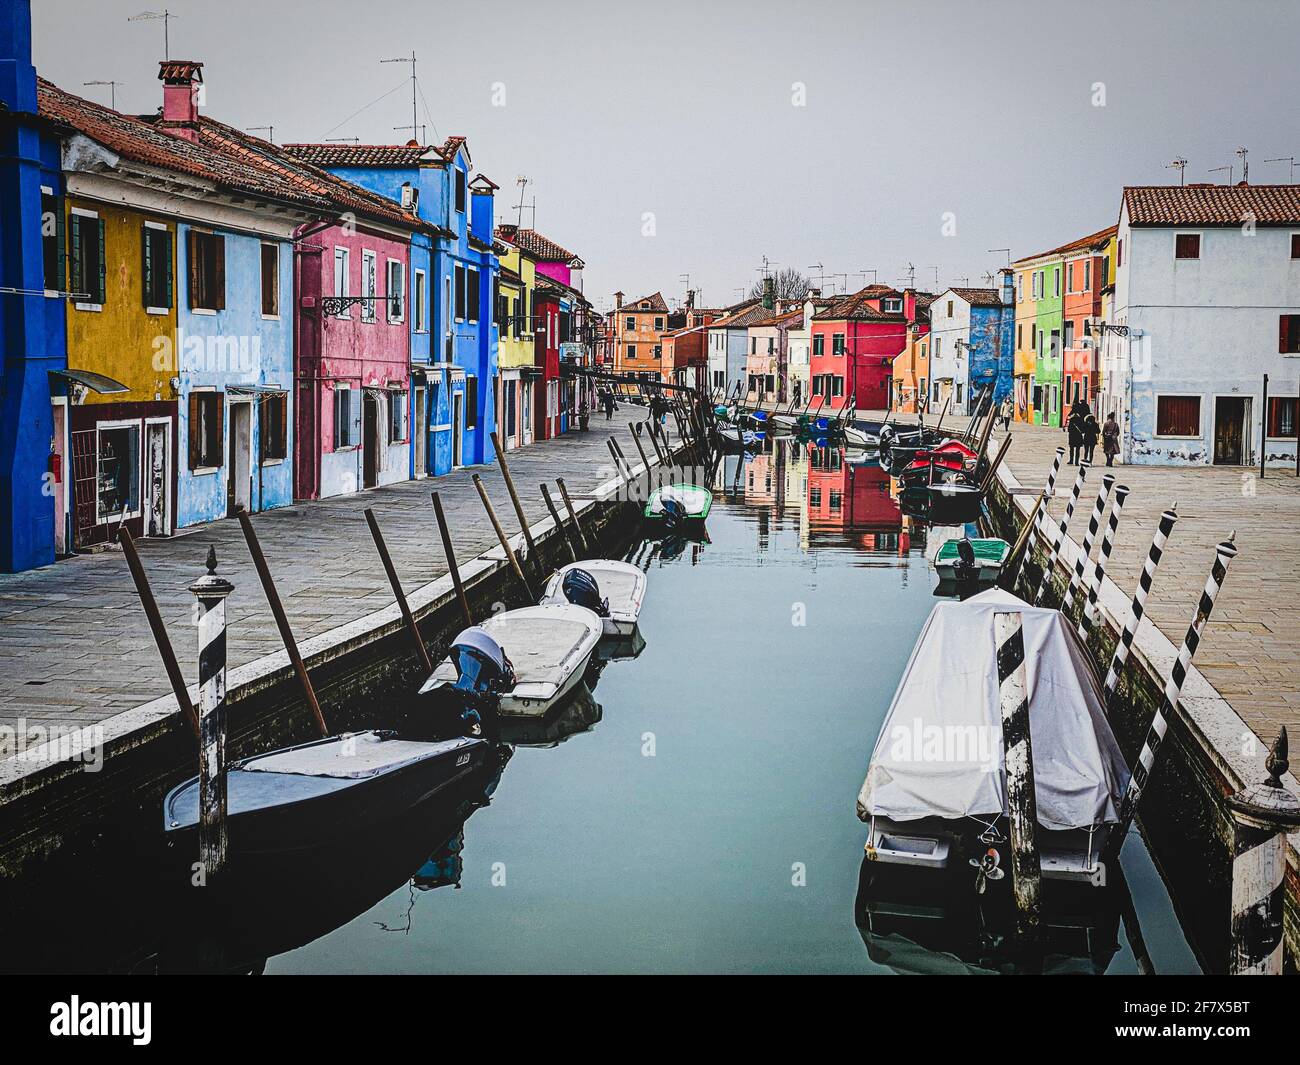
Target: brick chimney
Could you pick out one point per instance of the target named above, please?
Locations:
(909, 304)
(769, 293)
(618, 300)
(690, 299)
(508, 231)
(182, 83)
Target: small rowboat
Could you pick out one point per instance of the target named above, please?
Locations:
(307, 796)
(679, 502)
(549, 647)
(855, 437)
(984, 561)
(621, 584)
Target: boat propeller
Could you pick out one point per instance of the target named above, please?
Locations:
(988, 867)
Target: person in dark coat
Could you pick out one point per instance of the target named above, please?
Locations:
(1110, 438)
(1091, 430)
(1074, 426)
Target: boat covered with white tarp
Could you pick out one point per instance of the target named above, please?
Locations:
(937, 775)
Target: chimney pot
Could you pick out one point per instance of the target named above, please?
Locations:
(182, 82)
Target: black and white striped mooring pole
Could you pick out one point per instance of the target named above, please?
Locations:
(1018, 758)
(211, 592)
(1059, 538)
(1262, 814)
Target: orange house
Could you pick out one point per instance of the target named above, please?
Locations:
(639, 327)
(911, 377)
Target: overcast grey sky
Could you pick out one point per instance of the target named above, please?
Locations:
(687, 111)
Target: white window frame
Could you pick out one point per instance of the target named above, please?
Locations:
(279, 294)
(343, 386)
(96, 307)
(400, 316)
(1200, 415)
(165, 229)
(125, 423)
(419, 302)
(1200, 244)
(343, 256)
(369, 284)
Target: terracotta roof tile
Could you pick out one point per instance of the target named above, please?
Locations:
(979, 297)
(539, 247)
(1092, 240)
(367, 155)
(1212, 205)
(656, 301)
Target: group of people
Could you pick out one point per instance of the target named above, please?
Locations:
(1084, 432)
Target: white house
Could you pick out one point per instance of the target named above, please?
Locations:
(729, 347)
(1207, 288)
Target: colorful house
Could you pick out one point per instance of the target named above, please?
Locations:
(971, 360)
(193, 319)
(854, 342)
(639, 327)
(768, 364)
(516, 348)
(35, 391)
(729, 346)
(1087, 273)
(910, 375)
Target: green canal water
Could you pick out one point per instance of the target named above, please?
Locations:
(705, 822)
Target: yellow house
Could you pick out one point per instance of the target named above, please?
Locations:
(121, 413)
(1026, 343)
(517, 343)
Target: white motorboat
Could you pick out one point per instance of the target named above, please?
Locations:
(548, 646)
(621, 590)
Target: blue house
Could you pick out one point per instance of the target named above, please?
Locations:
(456, 351)
(32, 312)
(971, 347)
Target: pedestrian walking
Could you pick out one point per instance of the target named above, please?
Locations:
(1091, 430)
(1008, 409)
(1110, 438)
(1074, 426)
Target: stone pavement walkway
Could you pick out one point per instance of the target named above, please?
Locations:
(75, 647)
(1251, 645)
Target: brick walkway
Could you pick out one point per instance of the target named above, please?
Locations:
(1249, 648)
(74, 644)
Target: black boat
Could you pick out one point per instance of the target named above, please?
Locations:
(303, 797)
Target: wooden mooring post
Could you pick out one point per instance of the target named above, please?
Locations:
(407, 617)
(504, 541)
(992, 471)
(211, 592)
(1011, 568)
(450, 552)
(636, 439)
(559, 525)
(1022, 809)
(1224, 554)
(573, 514)
(519, 509)
(159, 630)
(1262, 815)
(282, 621)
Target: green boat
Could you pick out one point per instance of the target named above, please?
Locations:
(679, 502)
(990, 555)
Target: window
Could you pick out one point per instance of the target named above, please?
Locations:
(837, 384)
(1187, 245)
(207, 255)
(421, 303)
(1020, 287)
(471, 402)
(1034, 286)
(950, 308)
(1295, 245)
(52, 240)
(815, 496)
(270, 279)
(117, 470)
(1087, 275)
(1178, 415)
(156, 267)
(817, 384)
(1119, 254)
(397, 416)
(274, 425)
(1281, 416)
(472, 294)
(631, 351)
(341, 279)
(207, 411)
(819, 344)
(1069, 277)
(1056, 281)
(460, 190)
(395, 290)
(1020, 337)
(753, 345)
(345, 406)
(836, 499)
(893, 306)
(460, 293)
(368, 285)
(837, 344)
(88, 257)
(958, 396)
(630, 324)
(1288, 336)
(1069, 333)
(938, 347)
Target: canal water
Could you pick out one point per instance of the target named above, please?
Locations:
(705, 822)
(693, 812)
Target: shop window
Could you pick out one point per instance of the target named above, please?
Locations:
(1178, 416)
(117, 471)
(274, 426)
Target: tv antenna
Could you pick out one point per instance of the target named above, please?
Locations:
(765, 269)
(1230, 168)
(1245, 164)
(166, 16)
(1006, 251)
(1179, 164)
(821, 274)
(268, 130)
(343, 140)
(863, 274)
(523, 183)
(1290, 159)
(112, 90)
(415, 123)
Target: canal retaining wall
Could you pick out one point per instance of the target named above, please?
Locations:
(1208, 753)
(51, 802)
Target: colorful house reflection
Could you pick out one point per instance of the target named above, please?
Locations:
(852, 497)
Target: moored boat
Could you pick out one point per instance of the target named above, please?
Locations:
(935, 792)
(617, 596)
(972, 559)
(679, 503)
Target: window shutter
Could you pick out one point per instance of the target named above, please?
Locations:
(169, 272)
(191, 253)
(77, 283)
(146, 272)
(196, 441)
(103, 288)
(219, 438)
(1282, 321)
(219, 295)
(60, 243)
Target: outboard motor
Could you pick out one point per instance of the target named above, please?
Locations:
(581, 589)
(674, 513)
(887, 436)
(966, 568)
(483, 672)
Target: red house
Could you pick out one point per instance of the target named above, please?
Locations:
(546, 361)
(854, 342)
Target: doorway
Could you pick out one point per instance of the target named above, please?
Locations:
(369, 441)
(512, 411)
(239, 467)
(526, 388)
(59, 478)
(457, 427)
(1231, 416)
(419, 434)
(157, 479)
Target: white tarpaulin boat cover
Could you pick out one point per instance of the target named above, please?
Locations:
(939, 753)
